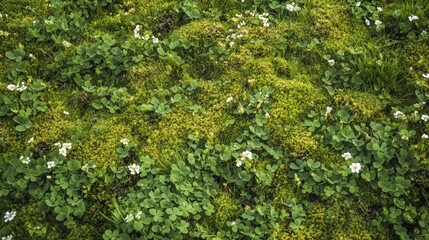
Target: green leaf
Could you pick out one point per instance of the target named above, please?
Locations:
(21, 128)
(10, 55)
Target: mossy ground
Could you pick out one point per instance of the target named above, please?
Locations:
(264, 56)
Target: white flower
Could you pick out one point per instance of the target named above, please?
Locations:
(292, 7)
(358, 4)
(134, 169)
(155, 40)
(11, 87)
(25, 160)
(246, 154)
(355, 167)
(331, 62)
(125, 141)
(400, 115)
(379, 9)
(328, 110)
(267, 115)
(378, 22)
(21, 88)
(346, 155)
(66, 112)
(425, 75)
(66, 44)
(67, 146)
(425, 136)
(51, 164)
(129, 218)
(412, 18)
(8, 237)
(31, 55)
(424, 118)
(63, 151)
(9, 216)
(250, 80)
(238, 163)
(30, 140)
(138, 215)
(231, 44)
(229, 99)
(57, 144)
(367, 22)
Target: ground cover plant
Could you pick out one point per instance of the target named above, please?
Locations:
(209, 119)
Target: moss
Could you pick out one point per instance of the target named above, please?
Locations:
(171, 133)
(417, 56)
(227, 209)
(145, 77)
(364, 104)
(334, 220)
(332, 20)
(53, 125)
(295, 142)
(292, 100)
(100, 140)
(201, 30)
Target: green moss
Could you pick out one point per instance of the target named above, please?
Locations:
(145, 77)
(99, 141)
(295, 142)
(201, 31)
(292, 100)
(171, 133)
(227, 209)
(332, 20)
(364, 104)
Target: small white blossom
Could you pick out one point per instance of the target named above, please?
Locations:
(67, 146)
(138, 215)
(231, 44)
(134, 169)
(267, 115)
(66, 112)
(367, 22)
(57, 144)
(9, 216)
(25, 160)
(328, 110)
(63, 151)
(331, 62)
(8, 237)
(292, 7)
(378, 22)
(11, 87)
(125, 141)
(379, 9)
(425, 75)
(229, 99)
(155, 40)
(424, 118)
(246, 154)
(51, 164)
(250, 80)
(400, 115)
(238, 163)
(30, 140)
(412, 18)
(22, 87)
(346, 155)
(66, 44)
(355, 167)
(129, 218)
(425, 136)
(358, 4)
